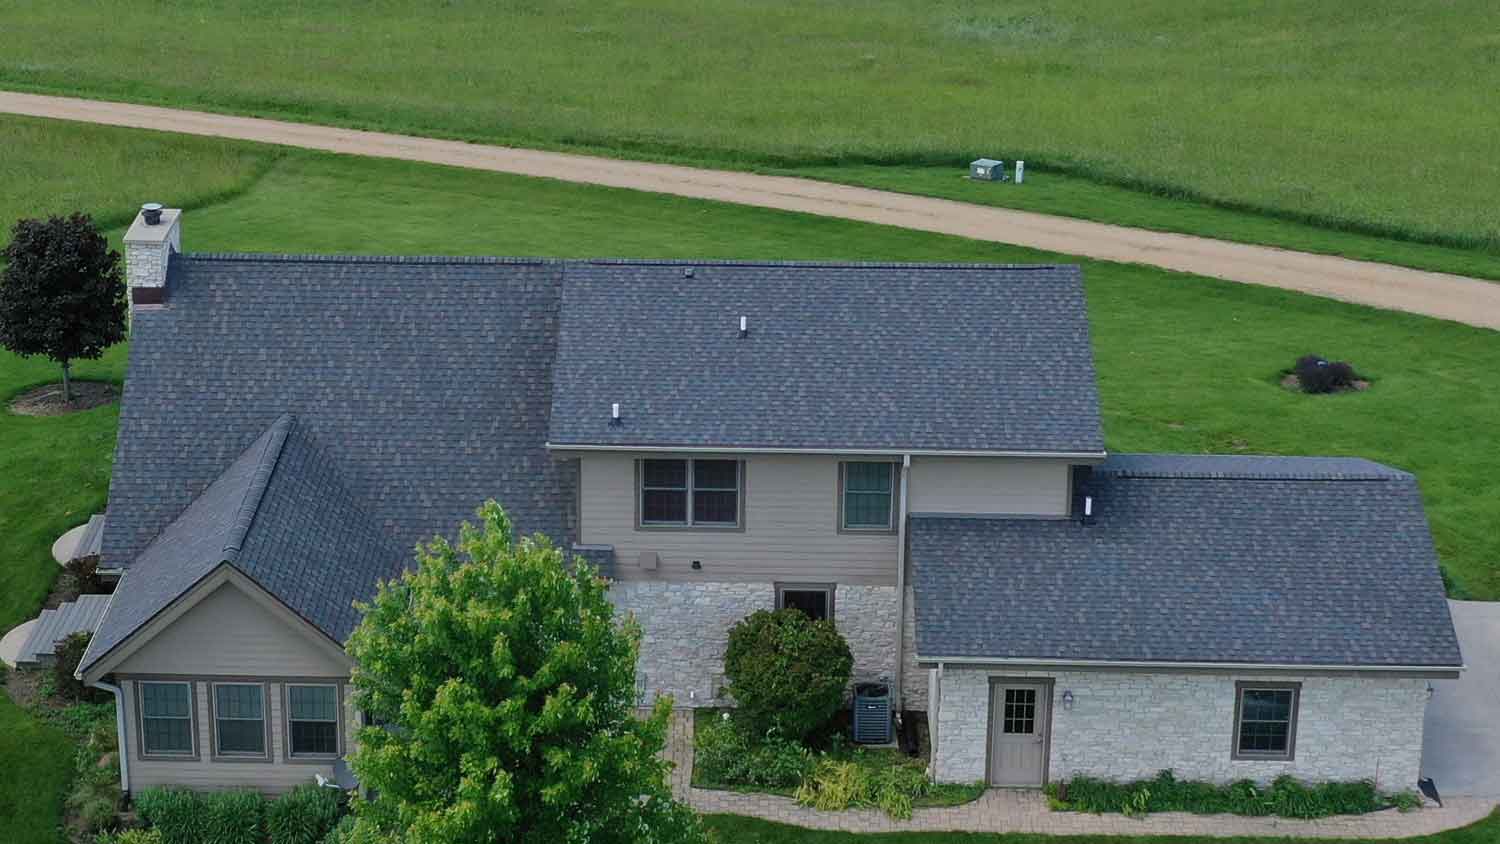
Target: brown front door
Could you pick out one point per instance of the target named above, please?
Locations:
(1018, 732)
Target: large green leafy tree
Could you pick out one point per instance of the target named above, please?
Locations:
(507, 688)
(62, 293)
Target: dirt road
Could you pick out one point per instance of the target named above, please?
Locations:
(1452, 297)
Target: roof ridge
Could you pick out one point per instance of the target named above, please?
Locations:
(1248, 467)
(310, 258)
(250, 504)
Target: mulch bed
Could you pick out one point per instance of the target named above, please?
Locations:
(47, 400)
(1293, 383)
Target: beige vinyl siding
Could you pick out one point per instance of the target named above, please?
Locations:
(229, 634)
(989, 486)
(790, 529)
(204, 773)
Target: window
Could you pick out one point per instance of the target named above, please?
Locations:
(865, 495)
(1019, 716)
(239, 719)
(166, 719)
(312, 720)
(815, 600)
(690, 493)
(1265, 720)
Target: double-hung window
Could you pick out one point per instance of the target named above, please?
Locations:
(815, 600)
(866, 495)
(690, 493)
(312, 713)
(1265, 720)
(166, 719)
(239, 719)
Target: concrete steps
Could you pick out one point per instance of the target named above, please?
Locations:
(54, 625)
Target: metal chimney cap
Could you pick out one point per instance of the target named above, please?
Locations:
(151, 213)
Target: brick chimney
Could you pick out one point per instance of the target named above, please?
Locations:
(151, 240)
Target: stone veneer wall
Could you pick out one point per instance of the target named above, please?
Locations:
(1126, 726)
(914, 680)
(685, 629)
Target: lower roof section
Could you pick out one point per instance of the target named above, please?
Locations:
(1195, 561)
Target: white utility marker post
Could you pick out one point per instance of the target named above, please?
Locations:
(1020, 171)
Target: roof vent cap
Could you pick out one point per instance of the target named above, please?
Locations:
(687, 272)
(744, 326)
(151, 213)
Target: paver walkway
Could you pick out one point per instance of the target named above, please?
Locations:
(1452, 297)
(1008, 810)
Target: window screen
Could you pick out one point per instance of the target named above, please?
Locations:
(167, 718)
(313, 720)
(867, 495)
(240, 719)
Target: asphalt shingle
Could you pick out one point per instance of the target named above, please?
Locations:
(1298, 561)
(848, 356)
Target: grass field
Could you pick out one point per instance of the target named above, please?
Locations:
(1185, 363)
(1378, 116)
(733, 829)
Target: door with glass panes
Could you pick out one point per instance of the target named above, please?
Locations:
(1018, 732)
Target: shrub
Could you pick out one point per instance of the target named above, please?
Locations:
(304, 815)
(724, 753)
(233, 817)
(84, 572)
(94, 799)
(1285, 797)
(130, 836)
(861, 781)
(69, 651)
(1318, 375)
(354, 830)
(174, 812)
(787, 672)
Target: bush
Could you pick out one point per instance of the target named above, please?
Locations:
(84, 572)
(353, 830)
(130, 836)
(233, 817)
(304, 815)
(859, 781)
(1318, 375)
(94, 799)
(69, 651)
(174, 812)
(725, 754)
(1285, 797)
(787, 672)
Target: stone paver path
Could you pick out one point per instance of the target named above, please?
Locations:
(1442, 295)
(1006, 810)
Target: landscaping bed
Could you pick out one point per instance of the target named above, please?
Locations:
(1285, 797)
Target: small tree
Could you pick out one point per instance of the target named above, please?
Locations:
(68, 653)
(62, 293)
(506, 689)
(787, 672)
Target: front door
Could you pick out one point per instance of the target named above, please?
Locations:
(1018, 733)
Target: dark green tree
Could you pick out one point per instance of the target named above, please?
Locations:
(62, 293)
(505, 688)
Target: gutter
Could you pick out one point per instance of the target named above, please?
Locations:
(1214, 666)
(1085, 456)
(901, 585)
(124, 752)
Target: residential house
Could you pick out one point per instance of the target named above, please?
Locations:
(912, 451)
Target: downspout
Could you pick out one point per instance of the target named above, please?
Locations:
(124, 751)
(898, 692)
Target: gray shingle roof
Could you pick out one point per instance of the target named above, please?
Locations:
(420, 388)
(427, 381)
(1314, 561)
(877, 356)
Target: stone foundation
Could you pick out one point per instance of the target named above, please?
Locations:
(1126, 726)
(685, 629)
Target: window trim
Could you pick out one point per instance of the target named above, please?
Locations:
(843, 525)
(338, 722)
(640, 497)
(831, 589)
(1240, 687)
(213, 722)
(140, 722)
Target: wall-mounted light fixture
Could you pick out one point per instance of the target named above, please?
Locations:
(1430, 691)
(1068, 699)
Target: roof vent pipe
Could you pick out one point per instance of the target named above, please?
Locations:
(744, 326)
(614, 413)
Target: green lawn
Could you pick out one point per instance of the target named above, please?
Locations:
(734, 829)
(1378, 115)
(38, 764)
(1185, 363)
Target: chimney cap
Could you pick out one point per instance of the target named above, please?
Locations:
(151, 213)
